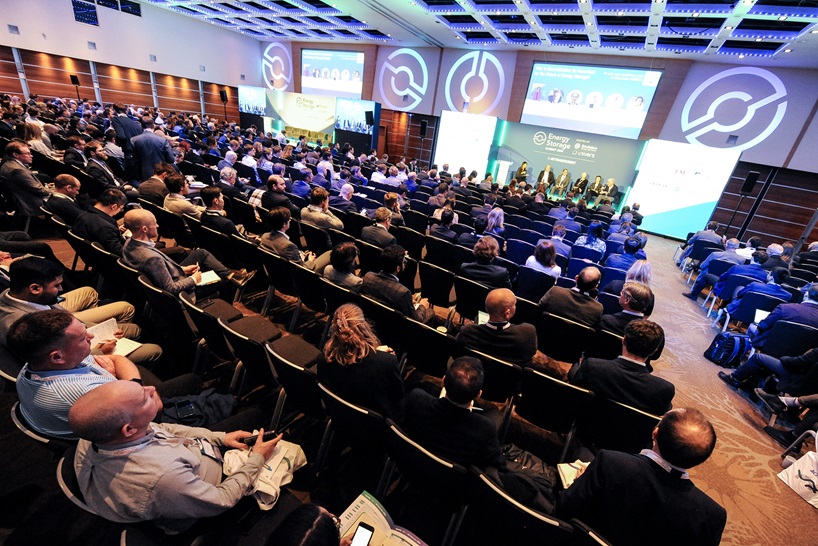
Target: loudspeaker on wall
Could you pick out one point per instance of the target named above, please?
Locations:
(370, 117)
(74, 80)
(223, 95)
(423, 126)
(749, 182)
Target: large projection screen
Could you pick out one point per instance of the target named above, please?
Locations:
(464, 140)
(593, 99)
(678, 185)
(332, 73)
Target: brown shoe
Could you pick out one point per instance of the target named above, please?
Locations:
(240, 277)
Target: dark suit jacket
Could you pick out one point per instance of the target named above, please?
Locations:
(773, 262)
(616, 322)
(549, 180)
(338, 202)
(579, 186)
(28, 192)
(126, 128)
(387, 290)
(758, 287)
(801, 313)
(64, 207)
(442, 232)
(517, 202)
(103, 176)
(629, 499)
(373, 382)
(452, 432)
(516, 343)
(750, 270)
(96, 226)
(626, 382)
(153, 190)
(468, 239)
(573, 225)
(74, 157)
(378, 236)
(572, 305)
(271, 200)
(495, 276)
(149, 150)
(217, 222)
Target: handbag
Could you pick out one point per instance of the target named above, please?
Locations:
(802, 477)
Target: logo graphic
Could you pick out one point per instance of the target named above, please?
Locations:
(403, 74)
(476, 79)
(540, 138)
(771, 106)
(277, 66)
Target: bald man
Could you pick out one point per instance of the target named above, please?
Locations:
(130, 469)
(579, 303)
(515, 343)
(649, 498)
(140, 253)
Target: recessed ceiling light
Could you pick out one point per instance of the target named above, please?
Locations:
(782, 18)
(788, 51)
(590, 23)
(759, 39)
(741, 56)
(814, 31)
(620, 13)
(695, 14)
(728, 28)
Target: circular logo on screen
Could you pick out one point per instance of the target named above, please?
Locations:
(540, 138)
(475, 82)
(277, 66)
(731, 100)
(403, 79)
(299, 101)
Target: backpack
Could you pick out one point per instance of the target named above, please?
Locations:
(728, 349)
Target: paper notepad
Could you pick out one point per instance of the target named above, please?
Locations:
(761, 314)
(209, 277)
(570, 471)
(104, 331)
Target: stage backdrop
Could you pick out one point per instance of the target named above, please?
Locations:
(302, 112)
(608, 157)
(405, 78)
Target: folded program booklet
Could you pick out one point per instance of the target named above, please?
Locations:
(209, 277)
(104, 331)
(368, 510)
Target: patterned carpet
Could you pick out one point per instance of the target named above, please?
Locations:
(741, 474)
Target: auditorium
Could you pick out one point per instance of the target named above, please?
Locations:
(437, 272)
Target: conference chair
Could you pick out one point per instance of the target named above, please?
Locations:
(561, 338)
(530, 236)
(611, 274)
(606, 345)
(732, 285)
(584, 253)
(532, 284)
(318, 240)
(610, 303)
(388, 323)
(552, 405)
(412, 241)
(308, 289)
(416, 219)
(470, 296)
(57, 446)
(250, 217)
(575, 265)
(585, 536)
(788, 338)
(277, 271)
(747, 308)
(519, 251)
(502, 379)
(616, 426)
(494, 517)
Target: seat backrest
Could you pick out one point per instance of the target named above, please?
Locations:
(549, 403)
(67, 480)
(370, 256)
(57, 445)
(356, 223)
(717, 267)
(246, 216)
(471, 297)
(790, 339)
(607, 345)
(430, 349)
(388, 323)
(610, 274)
(308, 287)
(585, 253)
(436, 284)
(416, 219)
(533, 284)
(616, 426)
(585, 536)
(439, 252)
(502, 379)
(167, 311)
(220, 245)
(733, 284)
(495, 517)
(410, 240)
(208, 326)
(562, 338)
(543, 228)
(519, 251)
(751, 302)
(703, 249)
(299, 384)
(253, 356)
(360, 426)
(335, 295)
(575, 265)
(277, 270)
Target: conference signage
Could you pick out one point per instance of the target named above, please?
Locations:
(277, 66)
(477, 82)
(404, 80)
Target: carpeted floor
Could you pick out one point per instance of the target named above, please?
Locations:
(741, 474)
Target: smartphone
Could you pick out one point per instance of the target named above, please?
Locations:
(251, 440)
(185, 409)
(363, 534)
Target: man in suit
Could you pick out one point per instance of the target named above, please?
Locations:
(342, 201)
(805, 313)
(229, 184)
(546, 176)
(515, 343)
(608, 192)
(729, 254)
(634, 299)
(63, 201)
(274, 196)
(753, 269)
(470, 239)
(774, 252)
(386, 287)
(176, 200)
(214, 216)
(594, 188)
(75, 153)
(538, 204)
(98, 224)
(569, 222)
(482, 270)
(627, 379)
(151, 149)
(516, 200)
(443, 230)
(378, 234)
(707, 234)
(810, 254)
(35, 284)
(15, 174)
(154, 188)
(127, 128)
(9, 120)
(99, 170)
(558, 212)
(279, 242)
(556, 239)
(561, 184)
(648, 498)
(447, 426)
(578, 303)
(488, 204)
(140, 253)
(579, 186)
(637, 216)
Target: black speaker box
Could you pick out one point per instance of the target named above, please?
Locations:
(370, 117)
(223, 95)
(423, 126)
(749, 182)
(74, 80)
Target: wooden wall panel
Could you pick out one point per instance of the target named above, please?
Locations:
(177, 94)
(213, 103)
(9, 79)
(395, 123)
(50, 75)
(786, 201)
(124, 85)
(674, 73)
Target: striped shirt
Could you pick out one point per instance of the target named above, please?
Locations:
(46, 396)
